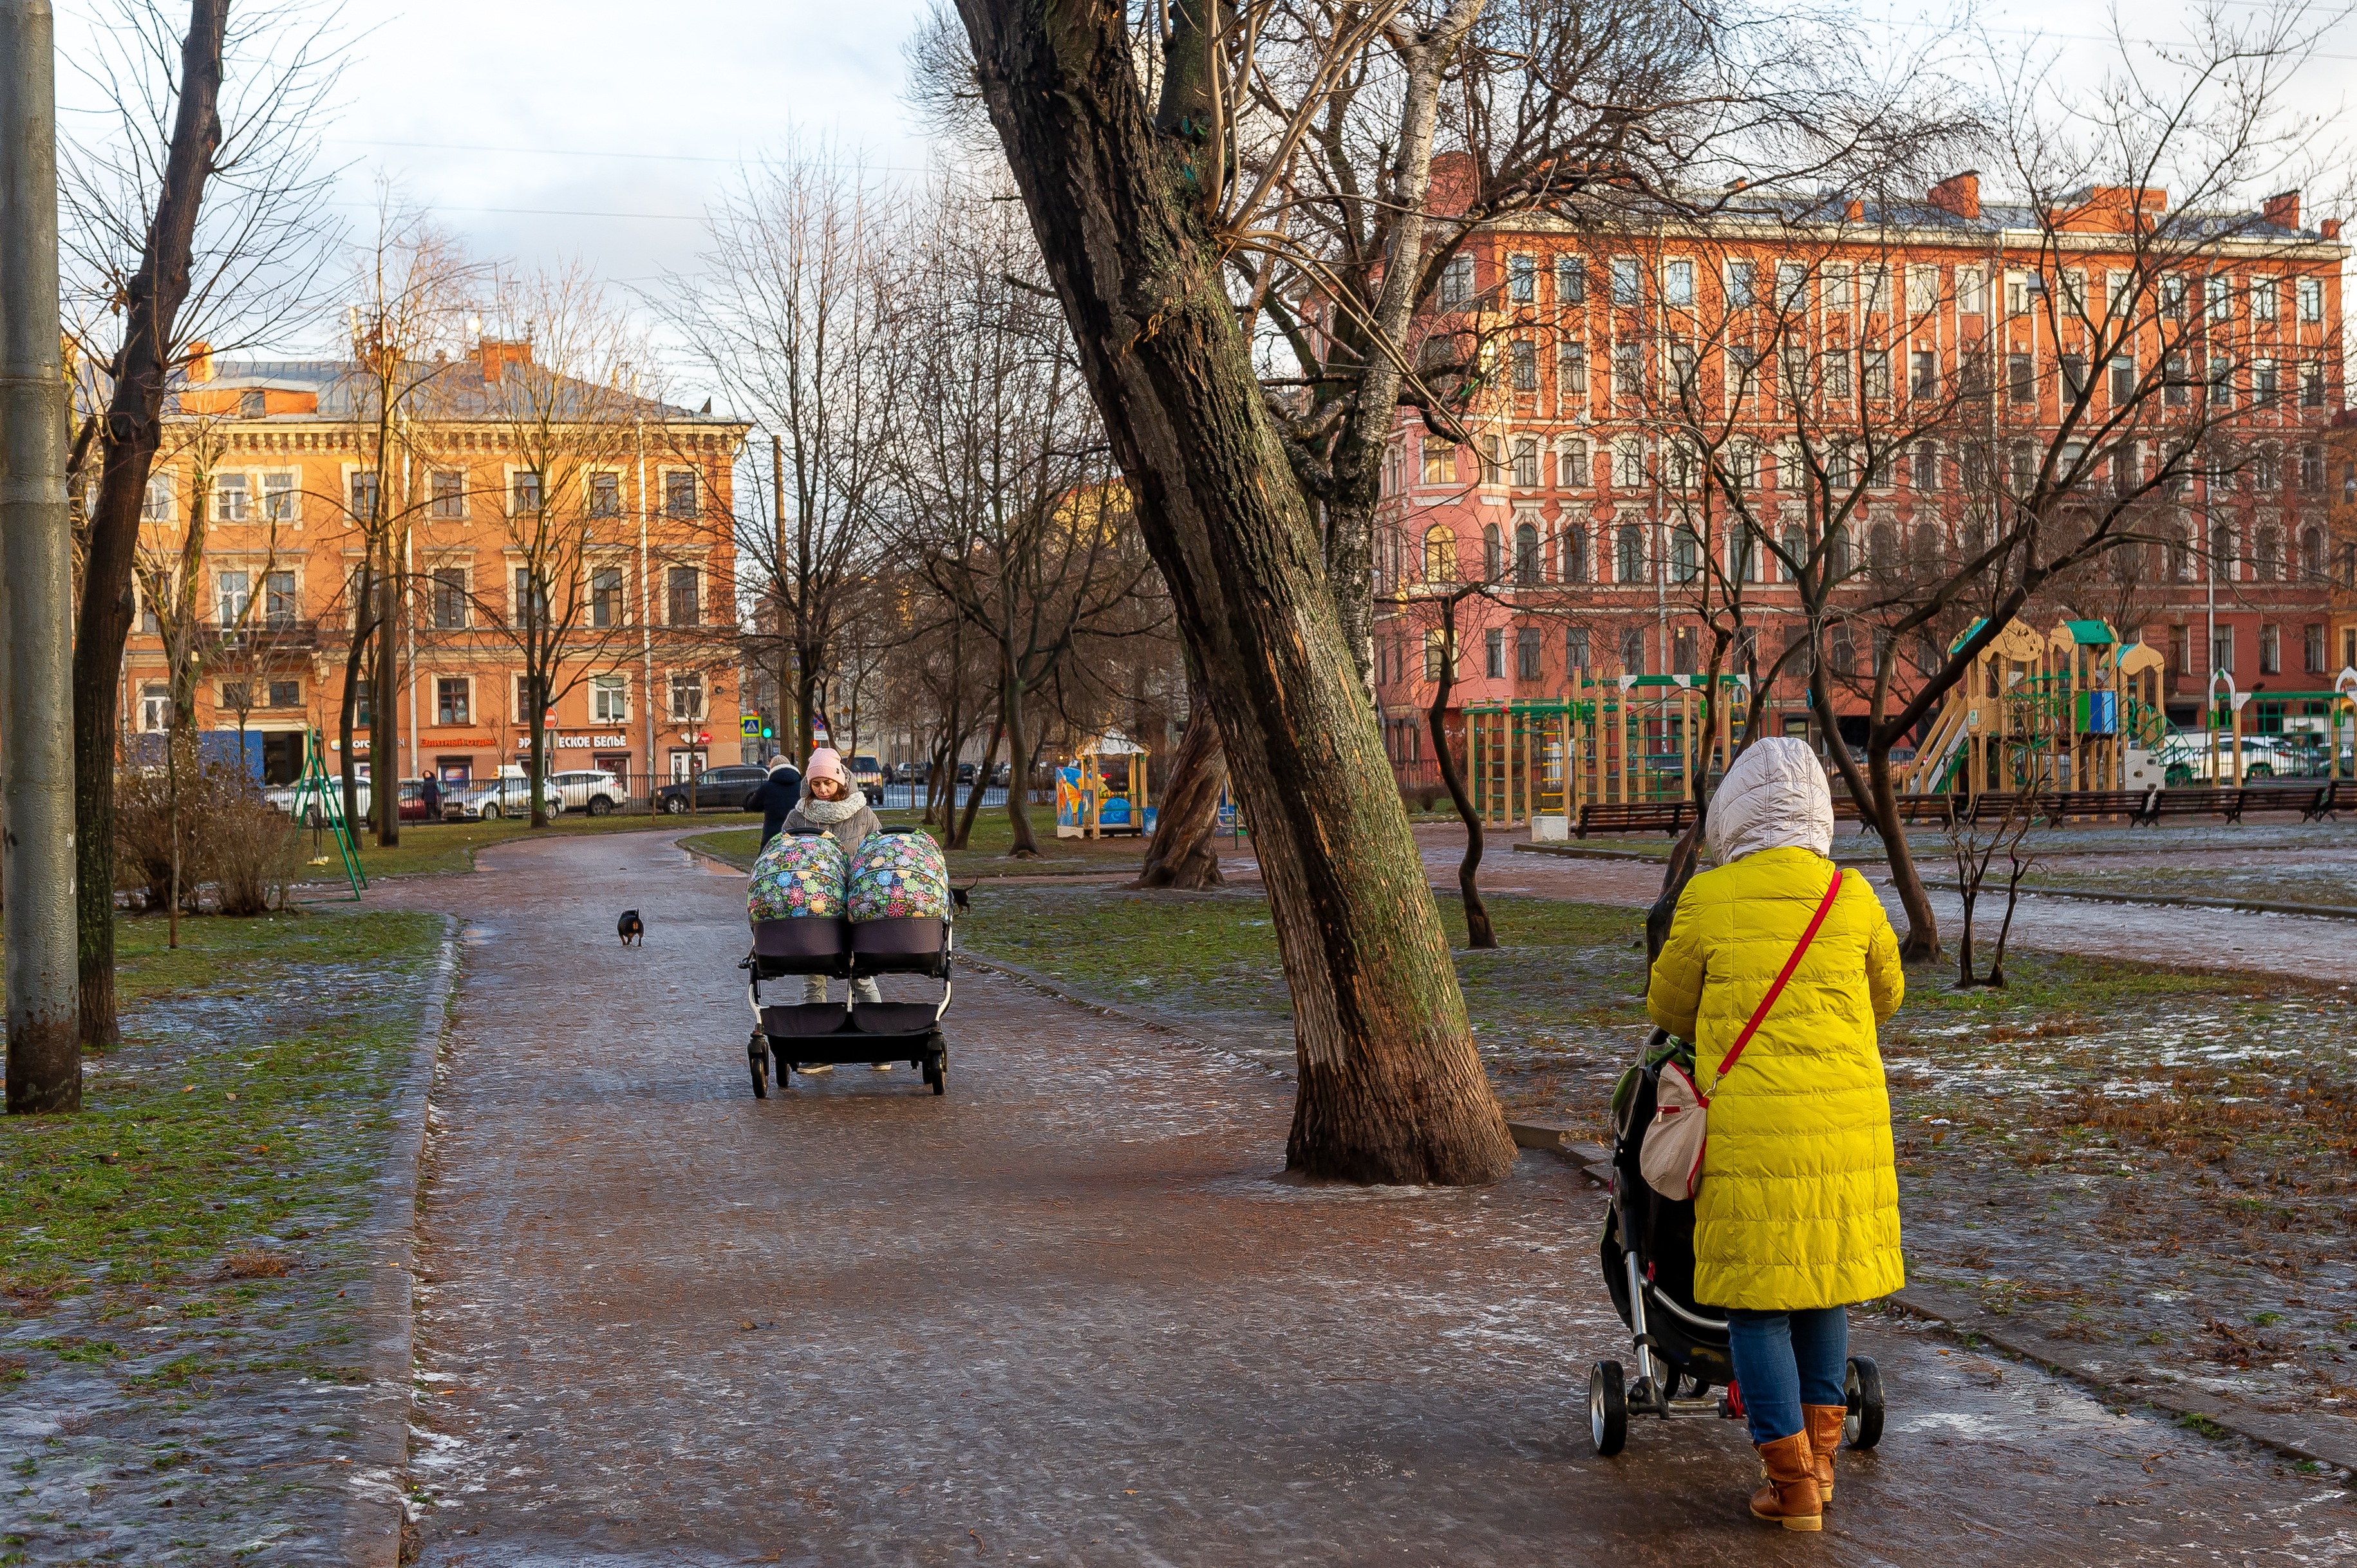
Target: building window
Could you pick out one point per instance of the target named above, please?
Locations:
(1686, 555)
(156, 704)
(286, 693)
(1493, 646)
(2311, 386)
(1629, 463)
(523, 493)
(1526, 462)
(2221, 650)
(1627, 280)
(450, 701)
(1972, 292)
(1439, 462)
(1527, 653)
(2270, 649)
(1628, 370)
(610, 699)
(253, 404)
(2266, 469)
(232, 696)
(1435, 655)
(606, 596)
(679, 494)
(1457, 283)
(684, 601)
(2311, 554)
(687, 696)
(1526, 553)
(364, 705)
(1876, 367)
(279, 498)
(1574, 650)
(1741, 293)
(1523, 355)
(2220, 293)
(232, 498)
(1439, 553)
(1571, 280)
(1522, 279)
(156, 505)
(1923, 373)
(1926, 475)
(1574, 546)
(528, 602)
(1574, 463)
(2265, 382)
(364, 492)
(2311, 294)
(527, 687)
(280, 607)
(2173, 297)
(450, 598)
(604, 495)
(2020, 378)
(1571, 368)
(2311, 658)
(449, 493)
(1633, 651)
(1493, 554)
(1922, 290)
(1630, 557)
(2311, 467)
(235, 592)
(1681, 650)
(2262, 299)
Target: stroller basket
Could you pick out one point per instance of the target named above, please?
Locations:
(801, 947)
(916, 945)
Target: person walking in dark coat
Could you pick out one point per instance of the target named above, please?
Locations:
(779, 793)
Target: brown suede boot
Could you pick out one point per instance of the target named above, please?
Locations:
(1789, 1498)
(1824, 1440)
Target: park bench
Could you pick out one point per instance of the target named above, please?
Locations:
(2340, 795)
(2128, 803)
(2191, 803)
(1640, 816)
(1939, 809)
(2297, 798)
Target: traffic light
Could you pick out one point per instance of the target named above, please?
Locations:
(769, 727)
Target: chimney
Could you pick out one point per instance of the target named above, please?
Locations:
(498, 354)
(1959, 194)
(2281, 209)
(2330, 228)
(1855, 210)
(201, 362)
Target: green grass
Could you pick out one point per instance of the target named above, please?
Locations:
(426, 848)
(248, 1102)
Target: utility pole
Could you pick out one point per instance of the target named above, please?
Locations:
(778, 589)
(36, 696)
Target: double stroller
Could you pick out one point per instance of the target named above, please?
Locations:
(1646, 1253)
(882, 909)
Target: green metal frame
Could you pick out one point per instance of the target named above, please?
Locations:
(326, 796)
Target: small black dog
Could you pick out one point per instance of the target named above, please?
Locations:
(958, 895)
(630, 926)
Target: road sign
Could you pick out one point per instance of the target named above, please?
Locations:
(749, 726)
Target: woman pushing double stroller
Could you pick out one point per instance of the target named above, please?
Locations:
(1780, 967)
(831, 805)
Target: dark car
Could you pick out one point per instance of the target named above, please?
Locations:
(715, 790)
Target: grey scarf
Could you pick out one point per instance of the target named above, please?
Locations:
(826, 813)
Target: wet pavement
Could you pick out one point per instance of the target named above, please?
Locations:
(1063, 1314)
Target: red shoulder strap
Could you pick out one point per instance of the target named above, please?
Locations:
(1726, 1063)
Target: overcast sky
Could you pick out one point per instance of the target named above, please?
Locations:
(541, 131)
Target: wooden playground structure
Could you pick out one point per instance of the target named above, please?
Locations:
(2069, 710)
(1104, 791)
(1623, 740)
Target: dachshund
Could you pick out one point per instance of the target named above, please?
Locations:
(630, 926)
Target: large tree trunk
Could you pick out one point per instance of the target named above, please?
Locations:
(384, 796)
(1181, 854)
(347, 720)
(981, 782)
(128, 437)
(1391, 1087)
(1922, 938)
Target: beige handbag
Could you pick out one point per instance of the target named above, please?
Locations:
(1670, 1156)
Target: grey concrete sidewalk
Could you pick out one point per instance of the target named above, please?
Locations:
(1064, 1316)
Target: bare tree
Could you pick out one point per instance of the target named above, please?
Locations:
(197, 216)
(791, 316)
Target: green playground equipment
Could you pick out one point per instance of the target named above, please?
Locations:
(319, 804)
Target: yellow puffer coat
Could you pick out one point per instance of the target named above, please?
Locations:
(1799, 1202)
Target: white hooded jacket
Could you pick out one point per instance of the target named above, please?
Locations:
(1775, 797)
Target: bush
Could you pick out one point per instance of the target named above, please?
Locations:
(230, 838)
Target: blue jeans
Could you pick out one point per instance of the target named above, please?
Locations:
(1786, 1359)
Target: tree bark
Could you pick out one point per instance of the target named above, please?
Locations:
(1391, 1089)
(1477, 930)
(129, 436)
(1022, 846)
(981, 783)
(1181, 854)
(1922, 939)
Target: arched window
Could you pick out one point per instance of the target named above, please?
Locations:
(1630, 557)
(1838, 564)
(1925, 551)
(1882, 546)
(1526, 553)
(1841, 654)
(1493, 554)
(1439, 553)
(2270, 555)
(1685, 555)
(1796, 554)
(2311, 554)
(1745, 567)
(1574, 545)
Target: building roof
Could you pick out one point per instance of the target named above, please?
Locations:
(458, 391)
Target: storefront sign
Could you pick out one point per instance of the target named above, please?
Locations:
(575, 742)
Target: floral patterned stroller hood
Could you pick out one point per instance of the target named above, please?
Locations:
(797, 877)
(897, 876)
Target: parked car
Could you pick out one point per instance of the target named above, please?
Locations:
(413, 800)
(866, 772)
(489, 800)
(590, 790)
(726, 788)
(964, 774)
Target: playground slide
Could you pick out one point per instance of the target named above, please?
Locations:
(1929, 773)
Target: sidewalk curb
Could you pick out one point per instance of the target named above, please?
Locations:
(2285, 1434)
(2181, 900)
(376, 1511)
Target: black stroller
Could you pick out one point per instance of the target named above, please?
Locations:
(1647, 1252)
(807, 1034)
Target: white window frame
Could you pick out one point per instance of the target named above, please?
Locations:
(688, 680)
(1972, 292)
(159, 486)
(242, 489)
(1922, 288)
(1677, 277)
(2263, 302)
(1628, 271)
(610, 699)
(2309, 294)
(281, 502)
(663, 489)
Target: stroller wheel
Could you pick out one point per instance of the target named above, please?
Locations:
(937, 1067)
(757, 1058)
(1862, 1428)
(1607, 1408)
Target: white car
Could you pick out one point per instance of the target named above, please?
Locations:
(492, 798)
(590, 790)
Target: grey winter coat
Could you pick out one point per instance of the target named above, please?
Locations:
(849, 820)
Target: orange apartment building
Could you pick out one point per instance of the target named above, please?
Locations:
(1576, 502)
(269, 456)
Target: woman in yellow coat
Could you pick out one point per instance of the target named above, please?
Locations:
(1797, 1213)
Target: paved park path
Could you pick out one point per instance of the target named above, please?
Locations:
(1063, 1314)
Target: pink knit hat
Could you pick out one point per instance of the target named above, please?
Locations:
(825, 764)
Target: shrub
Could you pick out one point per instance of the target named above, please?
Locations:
(230, 836)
